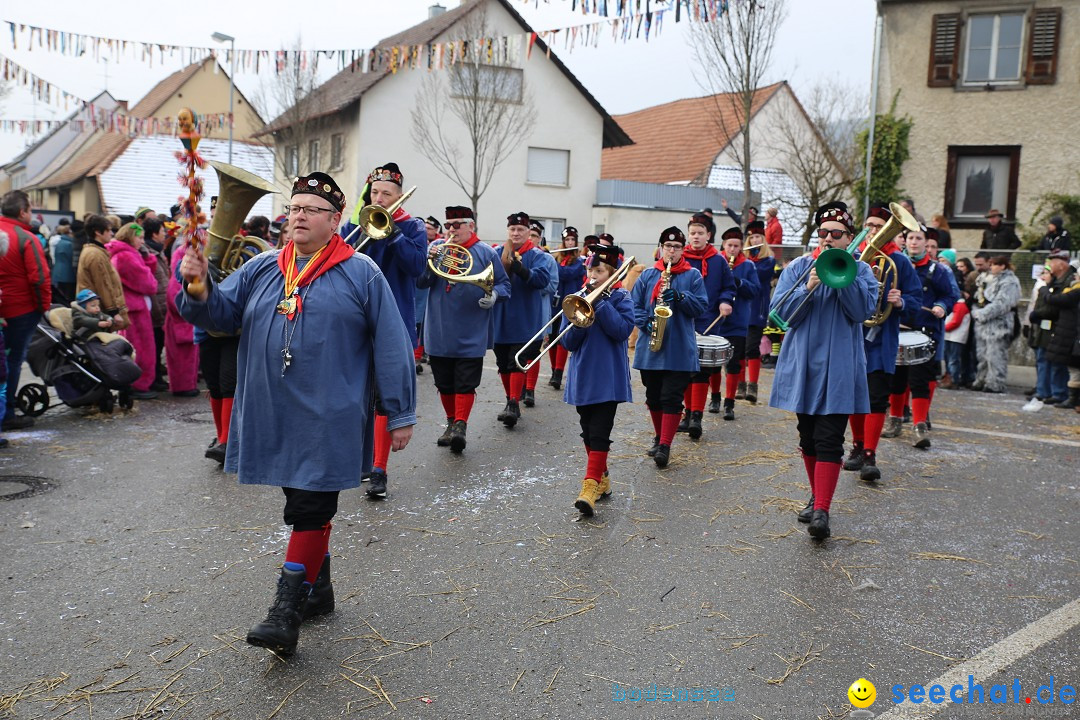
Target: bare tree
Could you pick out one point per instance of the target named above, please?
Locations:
(817, 143)
(733, 53)
(488, 100)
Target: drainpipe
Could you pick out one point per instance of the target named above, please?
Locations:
(873, 107)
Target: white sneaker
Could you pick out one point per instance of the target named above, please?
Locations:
(1033, 405)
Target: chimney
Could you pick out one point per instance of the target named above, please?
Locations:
(435, 10)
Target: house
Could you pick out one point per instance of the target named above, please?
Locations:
(364, 120)
(72, 181)
(991, 87)
(698, 142)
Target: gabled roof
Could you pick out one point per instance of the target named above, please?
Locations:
(677, 141)
(63, 125)
(165, 89)
(349, 85)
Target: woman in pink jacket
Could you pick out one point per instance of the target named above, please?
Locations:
(136, 272)
(181, 352)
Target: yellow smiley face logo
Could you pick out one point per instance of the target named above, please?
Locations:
(862, 693)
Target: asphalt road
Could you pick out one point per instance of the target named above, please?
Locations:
(476, 591)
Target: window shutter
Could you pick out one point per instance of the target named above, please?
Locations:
(944, 51)
(1043, 46)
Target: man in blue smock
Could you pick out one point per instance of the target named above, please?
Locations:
(314, 317)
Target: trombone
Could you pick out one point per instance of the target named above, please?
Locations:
(580, 312)
(377, 222)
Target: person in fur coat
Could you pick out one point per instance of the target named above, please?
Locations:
(996, 299)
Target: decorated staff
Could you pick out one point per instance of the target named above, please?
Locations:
(193, 234)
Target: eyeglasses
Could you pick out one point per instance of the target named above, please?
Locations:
(871, 225)
(453, 225)
(835, 234)
(308, 210)
(672, 246)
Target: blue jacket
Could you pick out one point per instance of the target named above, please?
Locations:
(937, 289)
(679, 349)
(746, 296)
(571, 280)
(552, 288)
(455, 326)
(598, 369)
(767, 269)
(402, 258)
(881, 351)
(528, 307)
(63, 255)
(719, 288)
(821, 369)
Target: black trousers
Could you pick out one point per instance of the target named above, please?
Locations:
(664, 389)
(159, 345)
(456, 376)
(918, 377)
(822, 436)
(878, 383)
(596, 423)
(505, 352)
(217, 359)
(309, 509)
(753, 342)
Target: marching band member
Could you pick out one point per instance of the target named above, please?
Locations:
(571, 278)
(821, 376)
(599, 375)
(882, 343)
(768, 270)
(433, 228)
(532, 375)
(524, 311)
(720, 290)
(401, 258)
(938, 298)
(674, 283)
(459, 327)
(734, 326)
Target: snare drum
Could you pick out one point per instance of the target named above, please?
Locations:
(915, 348)
(713, 351)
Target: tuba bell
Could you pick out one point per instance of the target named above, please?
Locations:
(238, 191)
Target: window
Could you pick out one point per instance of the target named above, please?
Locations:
(337, 151)
(553, 228)
(548, 167)
(292, 160)
(979, 178)
(487, 81)
(313, 156)
(993, 48)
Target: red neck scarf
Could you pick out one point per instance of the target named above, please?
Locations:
(569, 259)
(336, 252)
(739, 260)
(702, 255)
(889, 249)
(524, 248)
(400, 215)
(919, 263)
(473, 239)
(676, 268)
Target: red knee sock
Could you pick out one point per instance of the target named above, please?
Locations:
(382, 443)
(809, 462)
(308, 548)
(532, 376)
(896, 405)
(448, 405)
(872, 430)
(755, 369)
(920, 408)
(215, 410)
(517, 384)
(668, 425)
(226, 419)
(933, 387)
(561, 354)
(326, 538)
(657, 421)
(418, 352)
(463, 403)
(553, 356)
(825, 477)
(698, 396)
(505, 377)
(597, 465)
(714, 382)
(858, 423)
(732, 386)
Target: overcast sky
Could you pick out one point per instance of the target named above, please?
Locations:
(822, 40)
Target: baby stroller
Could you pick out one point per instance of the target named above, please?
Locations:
(84, 373)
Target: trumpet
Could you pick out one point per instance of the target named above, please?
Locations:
(661, 312)
(377, 222)
(579, 310)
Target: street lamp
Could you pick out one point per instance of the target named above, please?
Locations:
(222, 37)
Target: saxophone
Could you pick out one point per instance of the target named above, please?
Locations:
(661, 312)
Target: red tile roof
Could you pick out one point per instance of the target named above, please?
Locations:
(677, 141)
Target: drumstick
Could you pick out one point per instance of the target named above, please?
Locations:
(712, 324)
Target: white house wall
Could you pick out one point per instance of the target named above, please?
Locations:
(767, 145)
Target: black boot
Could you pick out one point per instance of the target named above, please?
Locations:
(528, 397)
(281, 628)
(556, 379)
(819, 525)
(217, 452)
(714, 403)
(376, 489)
(651, 452)
(321, 600)
(663, 454)
(444, 439)
(684, 423)
(751, 393)
(695, 425)
(729, 409)
(513, 414)
(457, 437)
(1072, 401)
(505, 411)
(807, 513)
(869, 470)
(854, 459)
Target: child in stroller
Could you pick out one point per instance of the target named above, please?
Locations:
(79, 359)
